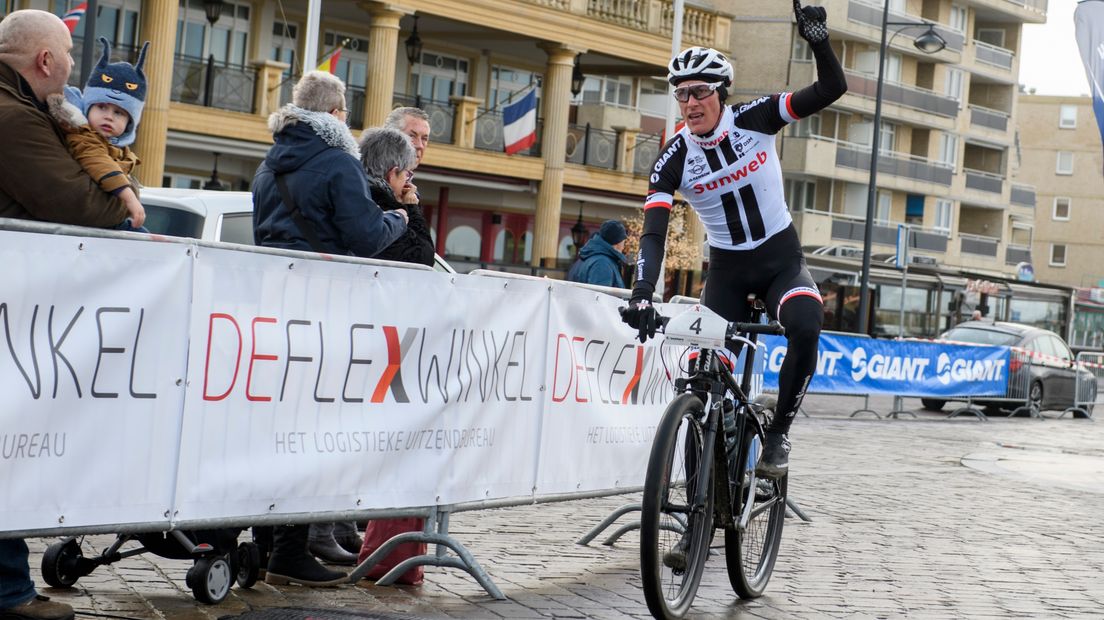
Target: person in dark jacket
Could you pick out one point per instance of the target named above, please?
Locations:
(318, 157)
(389, 159)
(600, 259)
(328, 209)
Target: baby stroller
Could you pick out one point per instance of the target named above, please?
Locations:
(218, 559)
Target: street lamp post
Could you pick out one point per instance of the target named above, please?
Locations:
(928, 42)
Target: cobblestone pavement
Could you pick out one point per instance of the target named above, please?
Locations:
(927, 518)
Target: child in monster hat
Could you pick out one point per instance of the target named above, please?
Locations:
(100, 126)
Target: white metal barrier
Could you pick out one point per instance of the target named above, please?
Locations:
(1088, 385)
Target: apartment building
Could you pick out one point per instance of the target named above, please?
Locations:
(1063, 159)
(219, 67)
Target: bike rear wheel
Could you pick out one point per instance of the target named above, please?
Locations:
(667, 514)
(750, 551)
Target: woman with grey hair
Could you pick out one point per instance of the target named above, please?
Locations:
(389, 159)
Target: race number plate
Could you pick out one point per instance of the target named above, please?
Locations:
(698, 326)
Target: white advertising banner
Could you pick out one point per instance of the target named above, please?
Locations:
(91, 372)
(327, 386)
(606, 395)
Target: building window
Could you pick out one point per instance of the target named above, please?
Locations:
(944, 214)
(610, 90)
(439, 77)
(463, 242)
(1067, 117)
(808, 126)
(801, 195)
(509, 82)
(801, 51)
(885, 203)
(952, 86)
(1061, 209)
(285, 38)
(1057, 255)
(948, 149)
(352, 64)
(652, 97)
(958, 18)
(117, 21)
(1065, 162)
(227, 41)
(992, 36)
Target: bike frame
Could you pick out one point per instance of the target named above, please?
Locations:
(708, 377)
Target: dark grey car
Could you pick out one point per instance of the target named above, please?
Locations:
(1041, 370)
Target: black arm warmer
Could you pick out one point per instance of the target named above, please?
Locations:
(830, 84)
(653, 238)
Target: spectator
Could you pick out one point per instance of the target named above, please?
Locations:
(102, 126)
(317, 157)
(389, 158)
(600, 259)
(310, 192)
(414, 122)
(39, 181)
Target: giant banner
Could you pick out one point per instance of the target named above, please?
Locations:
(91, 376)
(854, 365)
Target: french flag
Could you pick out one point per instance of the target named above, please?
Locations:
(73, 17)
(519, 123)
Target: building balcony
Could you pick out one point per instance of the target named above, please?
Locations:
(821, 228)
(857, 157)
(1022, 196)
(869, 13)
(987, 119)
(1027, 11)
(1016, 254)
(987, 182)
(979, 245)
(913, 97)
(994, 60)
(220, 85)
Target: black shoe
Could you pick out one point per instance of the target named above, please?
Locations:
(330, 551)
(291, 563)
(351, 543)
(675, 558)
(774, 462)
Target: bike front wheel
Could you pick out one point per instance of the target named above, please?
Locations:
(759, 510)
(674, 531)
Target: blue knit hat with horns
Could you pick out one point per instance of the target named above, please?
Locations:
(118, 83)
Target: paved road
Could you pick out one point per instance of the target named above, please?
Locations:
(927, 518)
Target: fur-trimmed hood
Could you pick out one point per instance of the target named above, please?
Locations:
(65, 113)
(326, 126)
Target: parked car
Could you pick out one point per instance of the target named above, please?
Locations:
(1041, 369)
(210, 216)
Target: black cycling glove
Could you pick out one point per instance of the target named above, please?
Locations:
(642, 316)
(812, 22)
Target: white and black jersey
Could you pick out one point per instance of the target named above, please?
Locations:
(731, 177)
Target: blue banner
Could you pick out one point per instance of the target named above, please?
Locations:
(854, 365)
(1088, 20)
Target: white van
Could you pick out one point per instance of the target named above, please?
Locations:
(210, 216)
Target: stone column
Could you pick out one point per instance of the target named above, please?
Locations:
(626, 147)
(463, 123)
(158, 25)
(557, 100)
(383, 43)
(266, 95)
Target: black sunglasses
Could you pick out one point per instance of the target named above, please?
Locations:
(698, 91)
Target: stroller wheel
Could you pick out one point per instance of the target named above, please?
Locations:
(248, 564)
(210, 579)
(60, 564)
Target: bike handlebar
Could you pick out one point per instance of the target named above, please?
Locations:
(774, 328)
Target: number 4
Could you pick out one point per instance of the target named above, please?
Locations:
(696, 326)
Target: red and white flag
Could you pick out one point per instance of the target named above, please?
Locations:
(73, 17)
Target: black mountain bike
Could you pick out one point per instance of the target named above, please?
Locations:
(701, 472)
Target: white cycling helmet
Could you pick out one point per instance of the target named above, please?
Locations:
(699, 63)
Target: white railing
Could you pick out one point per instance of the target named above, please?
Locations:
(993, 55)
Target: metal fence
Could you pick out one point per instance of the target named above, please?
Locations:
(1089, 384)
(488, 133)
(231, 86)
(592, 147)
(1017, 395)
(645, 153)
(440, 114)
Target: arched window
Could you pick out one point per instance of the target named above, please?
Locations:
(463, 241)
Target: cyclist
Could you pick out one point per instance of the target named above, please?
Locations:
(724, 163)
